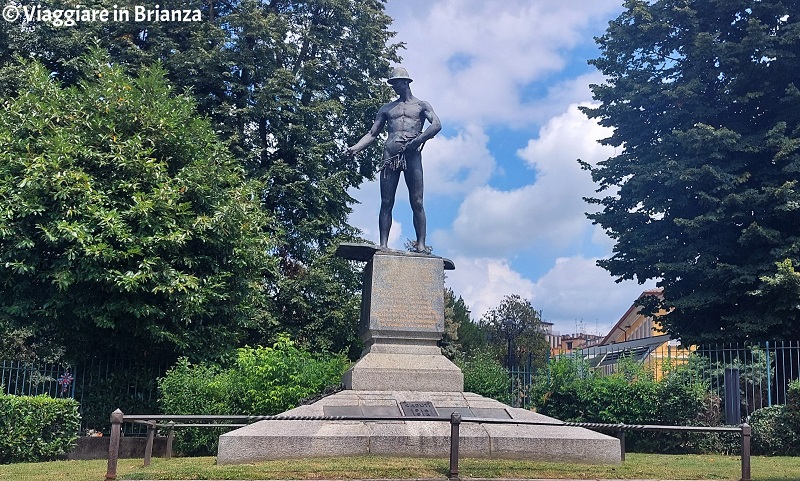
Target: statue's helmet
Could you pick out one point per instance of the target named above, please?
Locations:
(399, 73)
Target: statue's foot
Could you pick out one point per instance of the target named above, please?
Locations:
(419, 247)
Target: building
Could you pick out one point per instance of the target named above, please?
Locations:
(638, 337)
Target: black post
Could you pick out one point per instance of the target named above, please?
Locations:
(113, 445)
(733, 400)
(170, 439)
(455, 421)
(510, 326)
(746, 432)
(621, 437)
(148, 448)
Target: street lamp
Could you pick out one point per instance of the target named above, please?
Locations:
(625, 332)
(510, 329)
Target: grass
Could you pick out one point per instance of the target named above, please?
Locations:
(636, 466)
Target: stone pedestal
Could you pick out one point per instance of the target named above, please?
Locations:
(402, 320)
(319, 438)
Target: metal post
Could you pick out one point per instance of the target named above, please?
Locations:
(621, 437)
(769, 376)
(746, 432)
(148, 449)
(510, 362)
(733, 400)
(170, 439)
(455, 421)
(113, 445)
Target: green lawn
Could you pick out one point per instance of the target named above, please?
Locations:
(636, 466)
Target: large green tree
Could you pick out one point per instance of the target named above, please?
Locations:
(515, 323)
(288, 84)
(703, 192)
(124, 221)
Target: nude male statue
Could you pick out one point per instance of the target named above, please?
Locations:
(404, 119)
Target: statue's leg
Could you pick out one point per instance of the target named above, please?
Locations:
(388, 181)
(413, 176)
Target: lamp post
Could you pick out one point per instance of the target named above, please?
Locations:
(625, 332)
(510, 327)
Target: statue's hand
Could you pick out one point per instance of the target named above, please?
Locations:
(413, 145)
(350, 151)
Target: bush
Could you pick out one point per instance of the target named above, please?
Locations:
(196, 389)
(485, 376)
(263, 381)
(769, 432)
(793, 404)
(776, 429)
(36, 428)
(271, 380)
(570, 391)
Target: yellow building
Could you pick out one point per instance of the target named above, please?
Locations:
(638, 337)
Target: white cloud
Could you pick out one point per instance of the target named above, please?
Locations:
(483, 282)
(502, 63)
(576, 290)
(551, 210)
(473, 59)
(575, 294)
(457, 165)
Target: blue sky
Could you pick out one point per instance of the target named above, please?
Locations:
(503, 189)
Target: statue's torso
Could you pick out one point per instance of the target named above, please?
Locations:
(404, 120)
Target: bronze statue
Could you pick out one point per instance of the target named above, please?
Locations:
(404, 119)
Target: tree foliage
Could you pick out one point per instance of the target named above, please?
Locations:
(288, 84)
(516, 318)
(261, 381)
(456, 314)
(703, 191)
(124, 220)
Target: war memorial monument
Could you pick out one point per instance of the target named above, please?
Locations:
(401, 372)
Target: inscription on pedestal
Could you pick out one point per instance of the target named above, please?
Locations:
(419, 409)
(406, 294)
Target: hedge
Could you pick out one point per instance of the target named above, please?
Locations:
(262, 381)
(36, 428)
(776, 429)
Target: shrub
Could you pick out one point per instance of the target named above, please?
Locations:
(793, 404)
(572, 392)
(36, 428)
(270, 380)
(485, 376)
(262, 381)
(776, 429)
(769, 430)
(196, 389)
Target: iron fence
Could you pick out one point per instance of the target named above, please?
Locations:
(32, 379)
(764, 370)
(95, 384)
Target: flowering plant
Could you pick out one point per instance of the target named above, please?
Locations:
(65, 380)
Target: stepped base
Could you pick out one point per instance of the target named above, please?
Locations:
(380, 371)
(267, 440)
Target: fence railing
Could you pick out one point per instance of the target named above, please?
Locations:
(95, 384)
(118, 419)
(764, 369)
(32, 379)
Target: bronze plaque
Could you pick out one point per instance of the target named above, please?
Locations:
(419, 409)
(405, 294)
